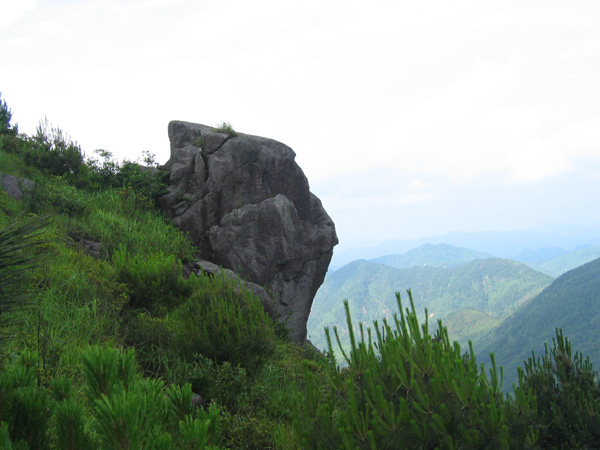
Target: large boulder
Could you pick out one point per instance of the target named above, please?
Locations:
(246, 205)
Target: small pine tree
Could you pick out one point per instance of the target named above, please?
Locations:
(568, 396)
(5, 117)
(403, 389)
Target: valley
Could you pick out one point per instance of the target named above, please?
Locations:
(502, 305)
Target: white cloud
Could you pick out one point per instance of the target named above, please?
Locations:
(430, 96)
(12, 10)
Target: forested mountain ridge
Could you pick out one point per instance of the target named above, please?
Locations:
(560, 264)
(571, 302)
(440, 255)
(493, 286)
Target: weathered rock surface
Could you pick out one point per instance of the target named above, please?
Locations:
(15, 187)
(247, 206)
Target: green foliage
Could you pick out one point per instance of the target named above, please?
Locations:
(567, 390)
(16, 262)
(31, 413)
(558, 265)
(197, 142)
(24, 407)
(138, 413)
(225, 127)
(405, 385)
(571, 303)
(224, 321)
(53, 151)
(147, 182)
(6, 129)
(404, 388)
(154, 281)
(202, 431)
(493, 286)
(12, 144)
(71, 433)
(58, 197)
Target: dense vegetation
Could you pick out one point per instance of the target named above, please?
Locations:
(560, 264)
(571, 302)
(493, 286)
(107, 336)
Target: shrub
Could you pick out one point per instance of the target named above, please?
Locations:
(154, 281)
(12, 144)
(148, 182)
(59, 197)
(404, 389)
(225, 127)
(16, 263)
(53, 150)
(138, 413)
(6, 128)
(567, 390)
(225, 322)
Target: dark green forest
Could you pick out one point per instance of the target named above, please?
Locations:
(107, 339)
(494, 287)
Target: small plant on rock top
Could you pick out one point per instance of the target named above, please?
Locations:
(225, 127)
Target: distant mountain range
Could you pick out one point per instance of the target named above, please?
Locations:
(557, 265)
(502, 244)
(442, 255)
(493, 286)
(571, 302)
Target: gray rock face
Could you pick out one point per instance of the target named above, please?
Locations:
(246, 204)
(15, 187)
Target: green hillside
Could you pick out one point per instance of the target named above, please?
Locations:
(470, 325)
(108, 341)
(493, 286)
(571, 302)
(558, 265)
(441, 255)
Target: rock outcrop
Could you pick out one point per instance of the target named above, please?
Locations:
(15, 187)
(246, 204)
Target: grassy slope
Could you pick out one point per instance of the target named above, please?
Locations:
(79, 299)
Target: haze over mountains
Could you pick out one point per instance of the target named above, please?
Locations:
(503, 244)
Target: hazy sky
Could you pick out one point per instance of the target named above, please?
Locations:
(408, 117)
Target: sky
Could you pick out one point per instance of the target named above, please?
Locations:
(409, 118)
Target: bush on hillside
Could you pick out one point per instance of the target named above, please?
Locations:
(567, 390)
(122, 410)
(404, 389)
(57, 197)
(224, 321)
(53, 151)
(154, 281)
(147, 181)
(16, 263)
(6, 129)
